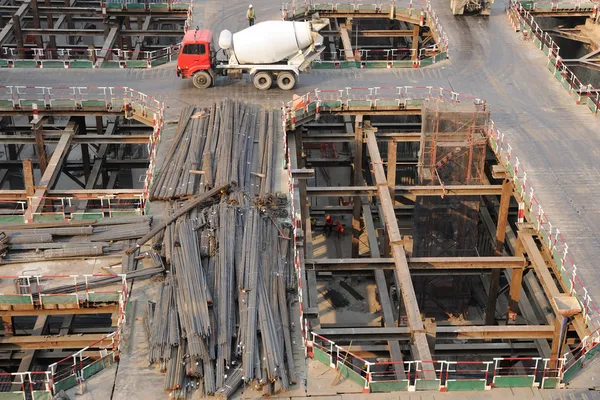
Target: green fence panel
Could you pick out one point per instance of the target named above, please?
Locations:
(550, 383)
(11, 219)
(389, 386)
(15, 299)
(53, 64)
(321, 356)
(469, 385)
(426, 61)
(159, 61)
(135, 6)
(137, 64)
(3, 63)
(159, 7)
(81, 64)
(513, 381)
(65, 384)
(25, 64)
(59, 299)
(180, 6)
(41, 395)
(590, 103)
(345, 7)
(428, 384)
(376, 64)
(110, 64)
(402, 64)
(359, 103)
(93, 103)
(30, 103)
(573, 369)
(349, 64)
(348, 373)
(63, 103)
(97, 366)
(117, 6)
(103, 297)
(12, 395)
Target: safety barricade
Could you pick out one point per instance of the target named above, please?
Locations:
(467, 375)
(391, 376)
(76, 368)
(25, 385)
(516, 372)
(352, 367)
(564, 75)
(560, 6)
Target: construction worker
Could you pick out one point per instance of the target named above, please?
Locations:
(328, 225)
(339, 228)
(251, 15)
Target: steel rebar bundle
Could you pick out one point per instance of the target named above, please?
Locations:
(232, 271)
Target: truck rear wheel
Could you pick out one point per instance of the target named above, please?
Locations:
(202, 79)
(286, 80)
(262, 80)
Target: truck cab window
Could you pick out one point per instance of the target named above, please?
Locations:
(194, 49)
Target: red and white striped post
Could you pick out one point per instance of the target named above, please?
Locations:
(521, 213)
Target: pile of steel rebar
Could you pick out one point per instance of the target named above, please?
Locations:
(232, 278)
(62, 240)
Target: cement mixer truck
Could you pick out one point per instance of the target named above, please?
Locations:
(268, 51)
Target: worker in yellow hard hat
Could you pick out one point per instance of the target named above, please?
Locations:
(251, 15)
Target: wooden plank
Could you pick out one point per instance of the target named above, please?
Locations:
(49, 176)
(28, 177)
(417, 263)
(382, 289)
(358, 180)
(402, 272)
(391, 165)
(53, 342)
(348, 52)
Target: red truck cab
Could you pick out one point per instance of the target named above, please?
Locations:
(195, 58)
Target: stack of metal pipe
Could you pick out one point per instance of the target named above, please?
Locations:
(231, 262)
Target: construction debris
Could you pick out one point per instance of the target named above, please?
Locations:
(221, 318)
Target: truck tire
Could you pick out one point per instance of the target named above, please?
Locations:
(262, 80)
(202, 80)
(286, 80)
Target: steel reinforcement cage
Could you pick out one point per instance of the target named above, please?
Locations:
(381, 58)
(522, 21)
(450, 375)
(119, 99)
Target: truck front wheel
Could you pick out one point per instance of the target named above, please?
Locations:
(262, 80)
(202, 79)
(286, 80)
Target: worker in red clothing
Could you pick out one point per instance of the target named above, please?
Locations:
(328, 225)
(339, 228)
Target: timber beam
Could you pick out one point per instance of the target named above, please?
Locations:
(451, 190)
(55, 342)
(467, 332)
(416, 263)
(54, 137)
(60, 311)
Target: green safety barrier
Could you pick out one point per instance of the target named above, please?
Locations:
(25, 64)
(574, 369)
(550, 383)
(3, 63)
(81, 64)
(93, 103)
(117, 6)
(389, 386)
(135, 6)
(110, 64)
(137, 64)
(15, 299)
(59, 299)
(98, 366)
(11, 219)
(321, 356)
(63, 103)
(159, 7)
(53, 64)
(65, 384)
(428, 384)
(467, 385)
(513, 381)
(103, 297)
(591, 105)
(41, 395)
(180, 6)
(12, 395)
(348, 373)
(30, 103)
(159, 61)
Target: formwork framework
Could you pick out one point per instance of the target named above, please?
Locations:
(76, 153)
(521, 17)
(383, 35)
(518, 270)
(45, 316)
(80, 34)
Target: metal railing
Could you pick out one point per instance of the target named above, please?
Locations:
(523, 20)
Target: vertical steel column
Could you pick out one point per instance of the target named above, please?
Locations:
(490, 315)
(18, 36)
(358, 181)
